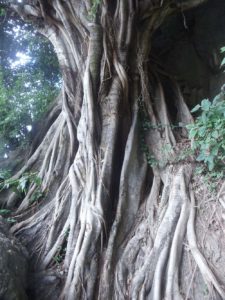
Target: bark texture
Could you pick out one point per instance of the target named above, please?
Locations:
(117, 220)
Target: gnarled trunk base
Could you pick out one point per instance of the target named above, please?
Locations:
(118, 217)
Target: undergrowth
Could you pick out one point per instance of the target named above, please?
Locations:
(207, 135)
(21, 185)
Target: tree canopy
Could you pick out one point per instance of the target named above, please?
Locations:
(29, 80)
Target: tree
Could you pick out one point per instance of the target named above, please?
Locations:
(29, 81)
(114, 220)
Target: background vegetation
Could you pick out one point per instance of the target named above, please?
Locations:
(29, 81)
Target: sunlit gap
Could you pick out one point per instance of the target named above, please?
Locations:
(23, 59)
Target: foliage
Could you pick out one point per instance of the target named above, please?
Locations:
(21, 185)
(29, 81)
(208, 132)
(4, 174)
(11, 220)
(2, 12)
(37, 195)
(94, 9)
(20, 105)
(168, 155)
(223, 61)
(4, 212)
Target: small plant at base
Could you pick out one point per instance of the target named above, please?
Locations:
(207, 134)
(37, 195)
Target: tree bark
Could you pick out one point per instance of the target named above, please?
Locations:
(118, 221)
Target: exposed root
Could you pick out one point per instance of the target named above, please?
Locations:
(172, 290)
(206, 272)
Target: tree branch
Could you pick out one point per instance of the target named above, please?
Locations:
(188, 4)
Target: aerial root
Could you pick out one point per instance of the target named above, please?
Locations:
(48, 163)
(152, 198)
(161, 108)
(70, 123)
(156, 290)
(76, 197)
(165, 195)
(175, 254)
(170, 265)
(183, 114)
(35, 156)
(128, 263)
(173, 217)
(60, 202)
(130, 188)
(35, 225)
(206, 272)
(52, 161)
(57, 245)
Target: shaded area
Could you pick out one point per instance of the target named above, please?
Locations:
(188, 47)
(13, 266)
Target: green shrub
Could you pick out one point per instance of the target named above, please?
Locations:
(208, 132)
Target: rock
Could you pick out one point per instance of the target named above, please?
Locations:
(13, 266)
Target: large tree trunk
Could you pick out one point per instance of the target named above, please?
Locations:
(120, 218)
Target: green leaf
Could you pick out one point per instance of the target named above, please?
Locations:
(194, 145)
(2, 12)
(22, 183)
(11, 220)
(204, 117)
(201, 157)
(196, 108)
(37, 180)
(205, 104)
(223, 62)
(201, 131)
(7, 185)
(211, 163)
(4, 212)
(189, 126)
(215, 134)
(222, 50)
(215, 150)
(192, 133)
